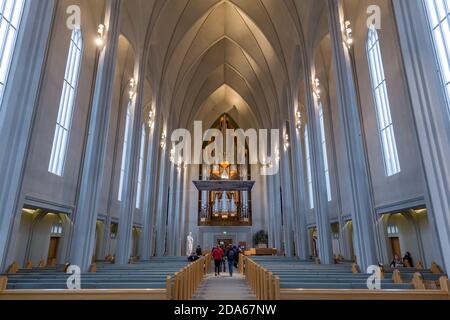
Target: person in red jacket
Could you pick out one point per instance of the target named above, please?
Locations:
(217, 254)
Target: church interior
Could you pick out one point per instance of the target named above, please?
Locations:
(116, 164)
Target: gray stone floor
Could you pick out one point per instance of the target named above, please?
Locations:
(224, 287)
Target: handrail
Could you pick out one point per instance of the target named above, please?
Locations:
(263, 283)
(188, 279)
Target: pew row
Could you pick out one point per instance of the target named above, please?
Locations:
(289, 279)
(137, 281)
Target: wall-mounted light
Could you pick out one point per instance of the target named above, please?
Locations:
(163, 140)
(151, 119)
(316, 88)
(172, 155)
(132, 88)
(287, 144)
(298, 120)
(349, 33)
(99, 40)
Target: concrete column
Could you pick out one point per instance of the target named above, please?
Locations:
(161, 209)
(184, 211)
(83, 240)
(131, 176)
(178, 209)
(430, 110)
(324, 241)
(171, 210)
(278, 225)
(300, 198)
(363, 213)
(17, 112)
(287, 202)
(149, 196)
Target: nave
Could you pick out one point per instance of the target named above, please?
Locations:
(134, 132)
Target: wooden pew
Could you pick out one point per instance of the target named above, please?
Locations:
(253, 273)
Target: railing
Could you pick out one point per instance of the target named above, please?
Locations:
(188, 279)
(264, 284)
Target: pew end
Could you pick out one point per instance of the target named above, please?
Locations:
(397, 277)
(3, 283)
(169, 288)
(418, 282)
(355, 268)
(419, 265)
(13, 268)
(435, 268)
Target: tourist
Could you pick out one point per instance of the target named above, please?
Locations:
(193, 257)
(397, 262)
(236, 259)
(231, 256)
(407, 260)
(198, 251)
(224, 258)
(217, 254)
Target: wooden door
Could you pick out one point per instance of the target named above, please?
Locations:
(52, 249)
(395, 246)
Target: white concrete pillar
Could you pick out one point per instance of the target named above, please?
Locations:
(149, 197)
(83, 240)
(299, 192)
(287, 201)
(324, 241)
(131, 175)
(430, 110)
(17, 112)
(363, 212)
(161, 208)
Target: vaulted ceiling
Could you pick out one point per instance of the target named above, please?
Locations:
(206, 57)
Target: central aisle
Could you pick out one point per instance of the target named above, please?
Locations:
(224, 287)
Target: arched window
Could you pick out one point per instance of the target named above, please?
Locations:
(323, 141)
(140, 183)
(10, 16)
(439, 18)
(383, 108)
(308, 169)
(126, 144)
(66, 104)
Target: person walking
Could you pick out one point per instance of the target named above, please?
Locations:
(217, 255)
(224, 258)
(231, 256)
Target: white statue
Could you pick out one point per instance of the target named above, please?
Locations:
(189, 244)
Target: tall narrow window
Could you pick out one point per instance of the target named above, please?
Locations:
(383, 108)
(308, 169)
(10, 17)
(323, 141)
(140, 183)
(126, 144)
(439, 17)
(66, 104)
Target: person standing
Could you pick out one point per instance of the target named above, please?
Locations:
(198, 251)
(217, 254)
